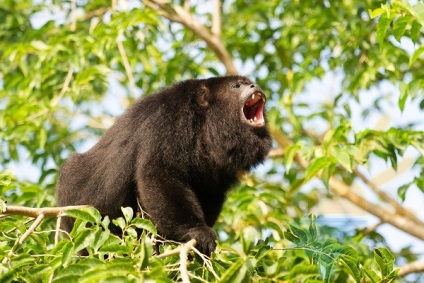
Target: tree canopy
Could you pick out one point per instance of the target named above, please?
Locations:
(344, 81)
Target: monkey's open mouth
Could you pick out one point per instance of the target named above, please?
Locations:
(253, 109)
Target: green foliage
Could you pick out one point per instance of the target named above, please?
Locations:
(64, 73)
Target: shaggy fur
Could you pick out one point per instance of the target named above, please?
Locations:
(177, 151)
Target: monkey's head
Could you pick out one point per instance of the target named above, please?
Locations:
(233, 108)
(237, 95)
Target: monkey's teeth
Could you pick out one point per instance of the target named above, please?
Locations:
(255, 119)
(253, 96)
(250, 120)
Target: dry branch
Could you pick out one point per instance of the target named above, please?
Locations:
(126, 66)
(35, 212)
(411, 267)
(184, 258)
(402, 222)
(180, 15)
(39, 214)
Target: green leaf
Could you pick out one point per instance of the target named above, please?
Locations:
(299, 233)
(110, 271)
(385, 260)
(419, 12)
(415, 31)
(115, 248)
(236, 273)
(84, 239)
(399, 27)
(343, 157)
(39, 45)
(376, 12)
(402, 191)
(144, 224)
(382, 27)
(417, 54)
(289, 155)
(128, 213)
(316, 165)
(90, 214)
(120, 222)
(313, 229)
(371, 274)
(350, 261)
(404, 91)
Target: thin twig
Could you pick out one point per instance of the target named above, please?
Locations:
(31, 229)
(57, 232)
(126, 66)
(54, 102)
(180, 15)
(371, 229)
(175, 251)
(73, 15)
(184, 260)
(65, 87)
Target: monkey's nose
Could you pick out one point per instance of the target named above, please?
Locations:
(252, 86)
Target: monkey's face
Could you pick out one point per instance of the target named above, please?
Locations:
(225, 93)
(251, 100)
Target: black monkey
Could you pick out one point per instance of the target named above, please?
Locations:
(177, 152)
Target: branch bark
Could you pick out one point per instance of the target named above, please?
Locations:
(184, 260)
(411, 267)
(39, 214)
(180, 15)
(35, 212)
(401, 222)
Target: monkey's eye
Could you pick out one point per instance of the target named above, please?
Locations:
(236, 85)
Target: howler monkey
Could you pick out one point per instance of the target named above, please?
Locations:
(177, 152)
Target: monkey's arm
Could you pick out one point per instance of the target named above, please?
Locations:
(176, 211)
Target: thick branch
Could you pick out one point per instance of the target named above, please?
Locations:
(411, 267)
(381, 194)
(216, 18)
(180, 15)
(384, 214)
(343, 190)
(399, 209)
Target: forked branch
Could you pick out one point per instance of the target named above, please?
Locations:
(212, 38)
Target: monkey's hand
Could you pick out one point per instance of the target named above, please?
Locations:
(205, 238)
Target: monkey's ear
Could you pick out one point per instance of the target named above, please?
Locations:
(203, 96)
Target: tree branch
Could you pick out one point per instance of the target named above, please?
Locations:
(183, 260)
(39, 214)
(35, 212)
(399, 209)
(180, 15)
(216, 19)
(411, 267)
(401, 222)
(126, 66)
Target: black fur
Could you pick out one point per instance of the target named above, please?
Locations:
(177, 151)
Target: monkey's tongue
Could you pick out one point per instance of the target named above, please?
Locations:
(254, 110)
